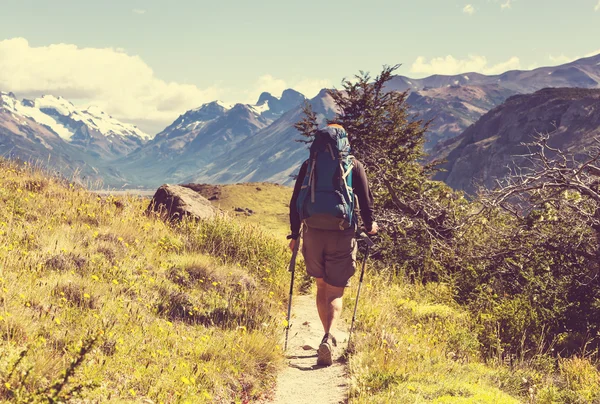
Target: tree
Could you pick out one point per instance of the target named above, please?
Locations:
(415, 213)
(540, 254)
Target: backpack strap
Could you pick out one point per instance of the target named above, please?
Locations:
(311, 180)
(346, 174)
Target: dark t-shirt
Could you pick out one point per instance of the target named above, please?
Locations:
(361, 190)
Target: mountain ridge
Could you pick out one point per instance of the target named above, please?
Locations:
(222, 143)
(487, 150)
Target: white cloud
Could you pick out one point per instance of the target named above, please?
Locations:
(450, 65)
(597, 6)
(139, 11)
(561, 59)
(594, 53)
(506, 5)
(120, 84)
(469, 9)
(311, 87)
(275, 86)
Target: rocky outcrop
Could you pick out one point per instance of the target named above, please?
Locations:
(174, 202)
(488, 150)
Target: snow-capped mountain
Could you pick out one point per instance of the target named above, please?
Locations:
(271, 154)
(52, 131)
(200, 135)
(222, 143)
(92, 130)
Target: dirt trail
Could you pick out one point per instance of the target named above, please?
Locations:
(302, 381)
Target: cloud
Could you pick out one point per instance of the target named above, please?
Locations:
(507, 5)
(594, 53)
(469, 9)
(120, 84)
(561, 59)
(597, 6)
(450, 65)
(138, 11)
(275, 86)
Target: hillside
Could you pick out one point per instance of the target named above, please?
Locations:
(222, 144)
(105, 304)
(260, 203)
(486, 150)
(131, 309)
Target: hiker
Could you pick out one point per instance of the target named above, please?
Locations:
(323, 204)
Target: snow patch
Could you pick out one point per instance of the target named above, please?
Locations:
(218, 102)
(466, 78)
(260, 109)
(16, 107)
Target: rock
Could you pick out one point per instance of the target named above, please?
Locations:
(176, 202)
(240, 210)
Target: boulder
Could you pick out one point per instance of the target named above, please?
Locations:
(175, 202)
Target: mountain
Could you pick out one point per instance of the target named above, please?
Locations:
(486, 149)
(271, 154)
(221, 143)
(203, 137)
(583, 73)
(91, 130)
(455, 102)
(52, 130)
(453, 109)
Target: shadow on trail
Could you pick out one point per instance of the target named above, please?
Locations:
(301, 356)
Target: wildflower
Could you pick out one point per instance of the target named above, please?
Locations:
(94, 277)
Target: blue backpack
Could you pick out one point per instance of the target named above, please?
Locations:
(326, 199)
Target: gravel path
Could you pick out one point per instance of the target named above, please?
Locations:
(303, 381)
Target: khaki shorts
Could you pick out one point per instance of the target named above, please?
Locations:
(330, 254)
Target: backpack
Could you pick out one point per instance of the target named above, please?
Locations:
(326, 198)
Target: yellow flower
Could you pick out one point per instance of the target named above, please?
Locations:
(94, 277)
(57, 321)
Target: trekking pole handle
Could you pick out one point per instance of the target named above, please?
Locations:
(366, 238)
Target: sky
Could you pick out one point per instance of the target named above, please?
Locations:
(148, 61)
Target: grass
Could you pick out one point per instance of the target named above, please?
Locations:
(101, 302)
(413, 344)
(268, 203)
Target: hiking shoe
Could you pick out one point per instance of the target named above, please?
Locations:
(325, 351)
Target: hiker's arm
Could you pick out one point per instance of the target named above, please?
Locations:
(363, 192)
(294, 215)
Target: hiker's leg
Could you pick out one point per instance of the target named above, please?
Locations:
(329, 303)
(322, 305)
(334, 296)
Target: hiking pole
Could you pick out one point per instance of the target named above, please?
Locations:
(292, 269)
(370, 244)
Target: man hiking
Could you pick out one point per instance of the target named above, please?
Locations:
(324, 203)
